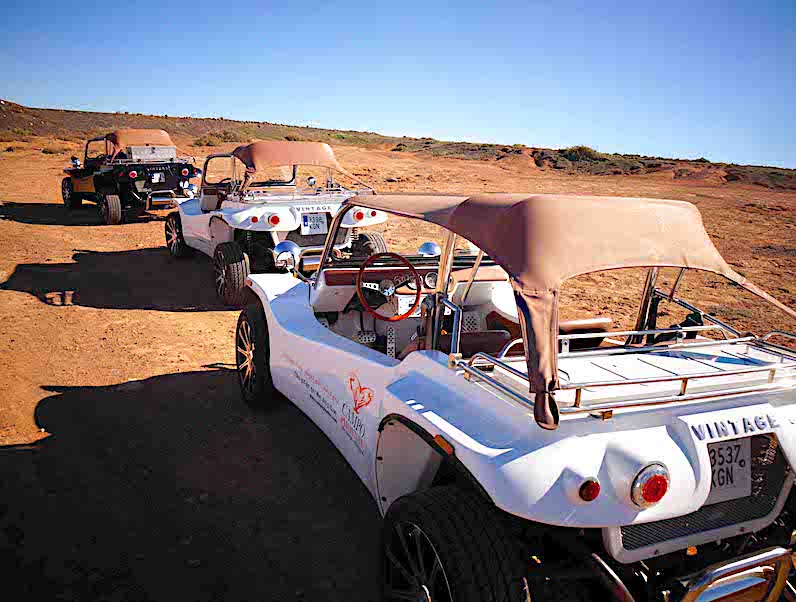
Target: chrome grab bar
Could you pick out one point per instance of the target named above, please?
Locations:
(778, 333)
(456, 335)
(780, 558)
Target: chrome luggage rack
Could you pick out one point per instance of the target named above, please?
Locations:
(473, 368)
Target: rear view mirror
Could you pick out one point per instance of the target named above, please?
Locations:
(287, 255)
(429, 249)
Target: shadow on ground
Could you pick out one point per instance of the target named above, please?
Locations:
(171, 489)
(139, 279)
(51, 214)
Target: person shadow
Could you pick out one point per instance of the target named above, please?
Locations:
(53, 214)
(171, 489)
(138, 279)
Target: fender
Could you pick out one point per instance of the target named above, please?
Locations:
(220, 231)
(402, 478)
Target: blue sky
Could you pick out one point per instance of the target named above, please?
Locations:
(683, 79)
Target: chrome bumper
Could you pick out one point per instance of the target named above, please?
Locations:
(767, 571)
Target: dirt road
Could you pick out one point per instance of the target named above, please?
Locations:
(130, 468)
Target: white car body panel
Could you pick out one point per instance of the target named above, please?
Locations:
(253, 212)
(527, 471)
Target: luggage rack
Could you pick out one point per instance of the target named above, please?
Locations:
(473, 368)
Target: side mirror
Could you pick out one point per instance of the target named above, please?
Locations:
(429, 249)
(311, 182)
(287, 255)
(75, 161)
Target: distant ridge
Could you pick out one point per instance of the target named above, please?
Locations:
(18, 122)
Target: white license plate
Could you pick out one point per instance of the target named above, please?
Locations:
(158, 176)
(313, 223)
(731, 468)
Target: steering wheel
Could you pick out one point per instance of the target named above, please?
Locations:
(388, 286)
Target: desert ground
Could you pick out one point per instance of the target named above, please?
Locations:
(130, 468)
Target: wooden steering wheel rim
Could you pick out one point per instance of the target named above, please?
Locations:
(361, 296)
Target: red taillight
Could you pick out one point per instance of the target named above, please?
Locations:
(273, 220)
(133, 174)
(255, 219)
(372, 214)
(359, 215)
(650, 485)
(185, 171)
(589, 490)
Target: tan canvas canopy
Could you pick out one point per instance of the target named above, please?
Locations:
(542, 240)
(276, 153)
(121, 139)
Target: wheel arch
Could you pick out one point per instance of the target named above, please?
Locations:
(410, 459)
(220, 231)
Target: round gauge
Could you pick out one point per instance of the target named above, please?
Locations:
(431, 280)
(411, 284)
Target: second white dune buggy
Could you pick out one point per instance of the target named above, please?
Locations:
(516, 455)
(264, 193)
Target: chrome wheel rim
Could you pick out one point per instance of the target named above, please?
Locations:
(65, 192)
(172, 236)
(413, 568)
(221, 274)
(244, 354)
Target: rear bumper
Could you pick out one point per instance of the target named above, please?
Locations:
(765, 573)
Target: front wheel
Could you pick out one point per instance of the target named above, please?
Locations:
(110, 206)
(445, 544)
(252, 357)
(71, 199)
(174, 238)
(231, 268)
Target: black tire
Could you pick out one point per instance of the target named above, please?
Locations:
(174, 240)
(110, 206)
(231, 268)
(369, 243)
(252, 358)
(453, 544)
(72, 199)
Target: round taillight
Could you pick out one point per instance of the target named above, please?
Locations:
(359, 215)
(255, 219)
(273, 220)
(650, 485)
(133, 174)
(372, 214)
(185, 171)
(589, 490)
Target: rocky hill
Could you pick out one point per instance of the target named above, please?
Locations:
(20, 123)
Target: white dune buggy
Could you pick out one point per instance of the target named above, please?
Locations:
(264, 193)
(516, 455)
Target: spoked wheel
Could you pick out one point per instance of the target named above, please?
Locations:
(447, 544)
(414, 569)
(252, 357)
(110, 206)
(71, 199)
(174, 239)
(231, 268)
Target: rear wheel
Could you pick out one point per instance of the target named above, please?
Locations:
(174, 239)
(71, 199)
(445, 544)
(110, 206)
(231, 268)
(369, 243)
(252, 357)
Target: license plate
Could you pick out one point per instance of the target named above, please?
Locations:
(313, 223)
(731, 467)
(158, 176)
